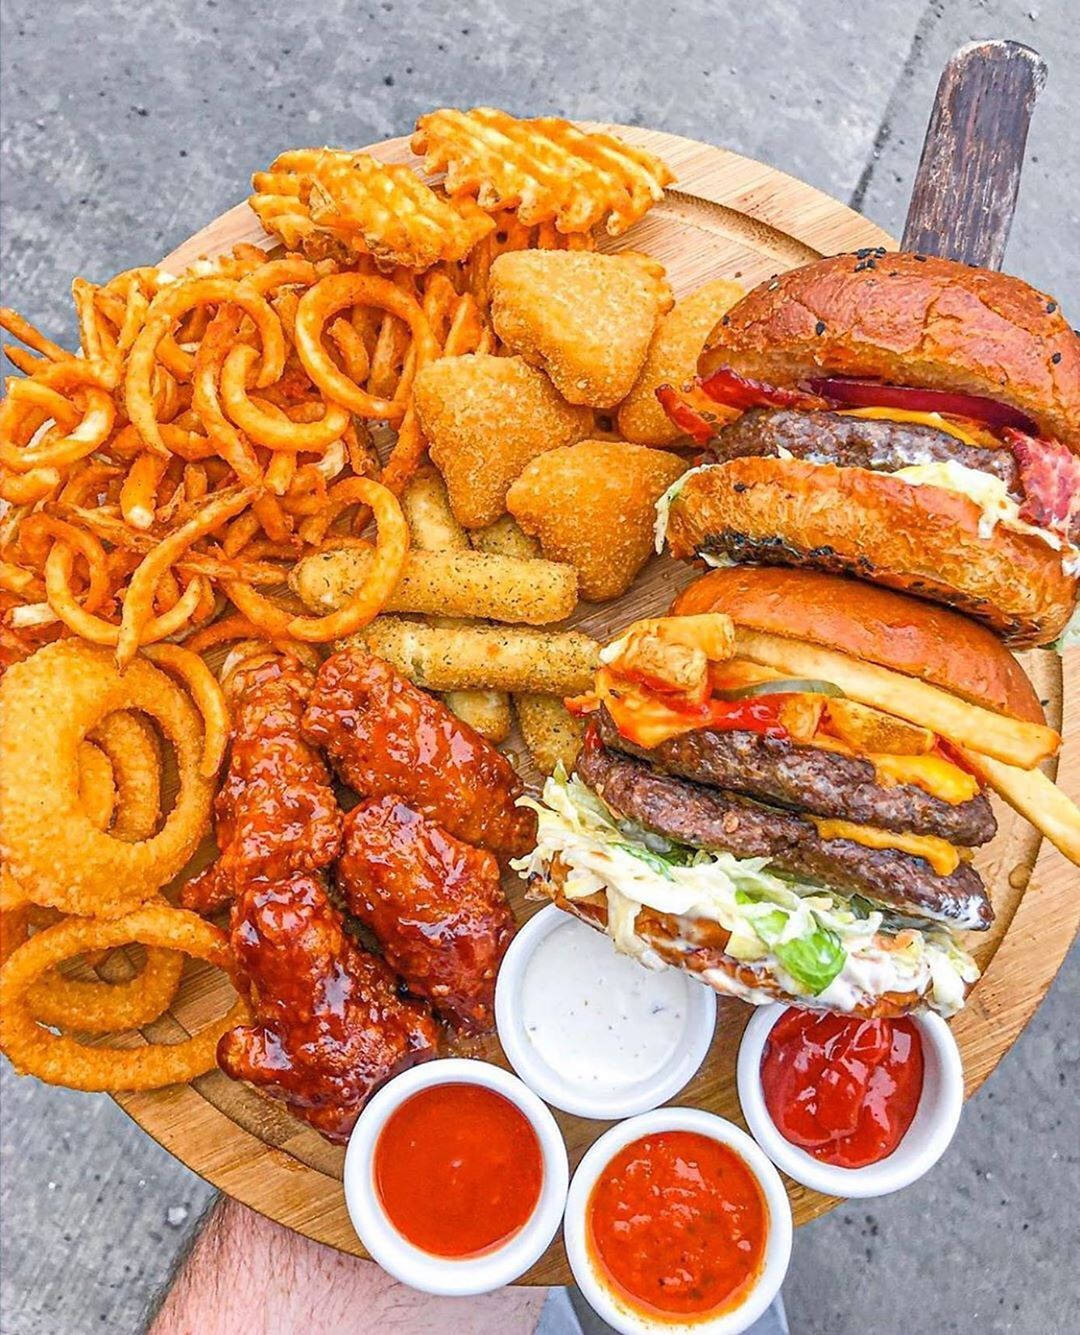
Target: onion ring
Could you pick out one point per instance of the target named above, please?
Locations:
(58, 1059)
(209, 698)
(48, 703)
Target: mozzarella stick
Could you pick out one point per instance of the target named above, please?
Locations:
(506, 538)
(551, 732)
(486, 711)
(502, 658)
(445, 583)
(432, 525)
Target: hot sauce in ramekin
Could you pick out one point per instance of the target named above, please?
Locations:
(677, 1225)
(458, 1169)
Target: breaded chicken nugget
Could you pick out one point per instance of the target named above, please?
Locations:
(672, 360)
(585, 318)
(484, 419)
(593, 505)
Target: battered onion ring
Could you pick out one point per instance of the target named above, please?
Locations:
(133, 750)
(97, 786)
(60, 1060)
(209, 698)
(48, 703)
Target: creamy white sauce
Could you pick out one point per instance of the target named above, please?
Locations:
(595, 1016)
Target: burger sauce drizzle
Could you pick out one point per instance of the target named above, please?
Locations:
(843, 1089)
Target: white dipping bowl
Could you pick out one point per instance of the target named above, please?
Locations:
(591, 1280)
(935, 1122)
(594, 1099)
(447, 1275)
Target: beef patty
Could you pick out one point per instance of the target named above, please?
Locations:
(855, 442)
(690, 813)
(809, 779)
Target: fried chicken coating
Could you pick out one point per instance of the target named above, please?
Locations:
(585, 318)
(435, 904)
(593, 505)
(385, 735)
(329, 1025)
(276, 813)
(484, 418)
(672, 360)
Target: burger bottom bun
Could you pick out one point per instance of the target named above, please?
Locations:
(852, 521)
(726, 975)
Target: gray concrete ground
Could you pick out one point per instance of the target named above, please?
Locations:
(126, 126)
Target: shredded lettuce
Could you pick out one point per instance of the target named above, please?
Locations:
(815, 942)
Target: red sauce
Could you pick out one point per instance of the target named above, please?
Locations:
(458, 1169)
(678, 1224)
(843, 1089)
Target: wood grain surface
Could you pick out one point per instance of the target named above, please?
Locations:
(727, 216)
(964, 195)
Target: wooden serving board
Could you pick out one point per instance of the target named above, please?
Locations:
(726, 217)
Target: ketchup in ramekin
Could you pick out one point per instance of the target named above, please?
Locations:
(843, 1089)
(458, 1169)
(677, 1224)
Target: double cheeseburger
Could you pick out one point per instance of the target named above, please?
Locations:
(781, 785)
(897, 417)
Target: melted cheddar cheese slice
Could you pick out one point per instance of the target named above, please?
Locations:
(940, 854)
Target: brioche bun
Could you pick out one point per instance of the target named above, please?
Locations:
(873, 624)
(909, 320)
(923, 540)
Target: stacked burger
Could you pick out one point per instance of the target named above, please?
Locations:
(784, 780)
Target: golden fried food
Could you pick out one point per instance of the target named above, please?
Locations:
(545, 168)
(450, 583)
(503, 658)
(586, 319)
(432, 526)
(484, 418)
(330, 203)
(488, 712)
(593, 505)
(505, 538)
(672, 360)
(552, 734)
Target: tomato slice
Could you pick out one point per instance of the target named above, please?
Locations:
(873, 394)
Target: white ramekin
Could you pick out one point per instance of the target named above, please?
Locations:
(605, 1105)
(927, 1138)
(441, 1274)
(593, 1284)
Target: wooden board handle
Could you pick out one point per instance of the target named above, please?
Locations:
(965, 189)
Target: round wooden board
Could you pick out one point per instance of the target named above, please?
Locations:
(726, 217)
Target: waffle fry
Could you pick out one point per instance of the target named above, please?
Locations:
(327, 202)
(545, 169)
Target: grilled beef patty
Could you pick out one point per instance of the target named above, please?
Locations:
(705, 818)
(809, 779)
(855, 442)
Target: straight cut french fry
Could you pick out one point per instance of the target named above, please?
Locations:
(446, 583)
(1013, 741)
(503, 658)
(1037, 798)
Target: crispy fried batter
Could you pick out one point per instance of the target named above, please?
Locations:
(672, 360)
(593, 506)
(329, 1026)
(484, 418)
(545, 168)
(435, 904)
(585, 318)
(328, 202)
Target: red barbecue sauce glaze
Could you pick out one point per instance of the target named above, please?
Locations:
(678, 1224)
(843, 1089)
(458, 1169)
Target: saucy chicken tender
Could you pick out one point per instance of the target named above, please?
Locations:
(385, 735)
(593, 505)
(435, 904)
(484, 418)
(672, 360)
(276, 813)
(329, 1025)
(585, 318)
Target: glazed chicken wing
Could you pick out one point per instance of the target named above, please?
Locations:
(329, 1024)
(276, 813)
(435, 904)
(385, 735)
